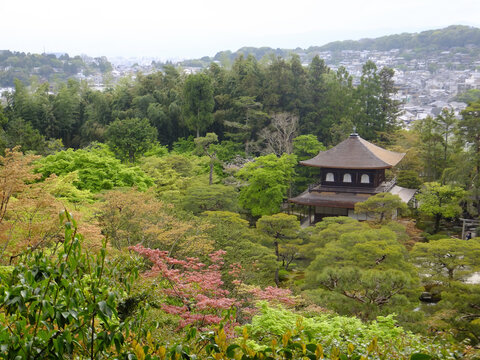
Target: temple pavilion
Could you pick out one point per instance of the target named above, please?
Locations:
(350, 172)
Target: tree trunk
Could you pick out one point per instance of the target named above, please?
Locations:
(198, 123)
(277, 278)
(450, 274)
(210, 179)
(437, 222)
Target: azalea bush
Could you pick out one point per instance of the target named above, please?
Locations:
(195, 291)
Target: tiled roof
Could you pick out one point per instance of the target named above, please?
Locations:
(355, 153)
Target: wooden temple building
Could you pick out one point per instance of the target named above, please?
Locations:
(351, 172)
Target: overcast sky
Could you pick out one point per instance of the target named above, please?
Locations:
(196, 28)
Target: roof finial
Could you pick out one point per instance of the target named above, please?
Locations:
(354, 131)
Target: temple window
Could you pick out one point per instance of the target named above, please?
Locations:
(365, 179)
(329, 177)
(347, 178)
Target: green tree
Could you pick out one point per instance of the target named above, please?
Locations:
(447, 260)
(267, 181)
(306, 147)
(206, 146)
(469, 129)
(378, 111)
(440, 201)
(217, 197)
(198, 102)
(234, 235)
(409, 179)
(382, 206)
(430, 147)
(283, 231)
(131, 137)
(362, 270)
(446, 123)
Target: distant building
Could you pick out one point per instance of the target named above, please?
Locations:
(351, 172)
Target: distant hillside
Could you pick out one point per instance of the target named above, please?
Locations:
(46, 67)
(452, 37)
(455, 36)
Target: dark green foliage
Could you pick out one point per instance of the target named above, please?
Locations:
(408, 179)
(131, 137)
(20, 132)
(198, 102)
(378, 112)
(200, 198)
(305, 147)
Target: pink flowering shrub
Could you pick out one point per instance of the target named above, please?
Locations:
(196, 291)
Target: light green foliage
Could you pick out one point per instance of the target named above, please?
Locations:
(440, 201)
(307, 146)
(227, 150)
(346, 334)
(63, 187)
(174, 173)
(327, 327)
(468, 96)
(156, 150)
(381, 207)
(362, 246)
(267, 181)
(131, 137)
(96, 167)
(447, 259)
(203, 143)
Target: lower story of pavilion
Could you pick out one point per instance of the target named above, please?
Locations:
(314, 205)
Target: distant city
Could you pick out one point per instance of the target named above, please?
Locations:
(427, 81)
(425, 85)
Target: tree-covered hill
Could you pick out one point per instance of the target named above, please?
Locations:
(46, 67)
(455, 36)
(452, 37)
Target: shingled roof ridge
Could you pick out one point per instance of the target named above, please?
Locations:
(364, 143)
(384, 152)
